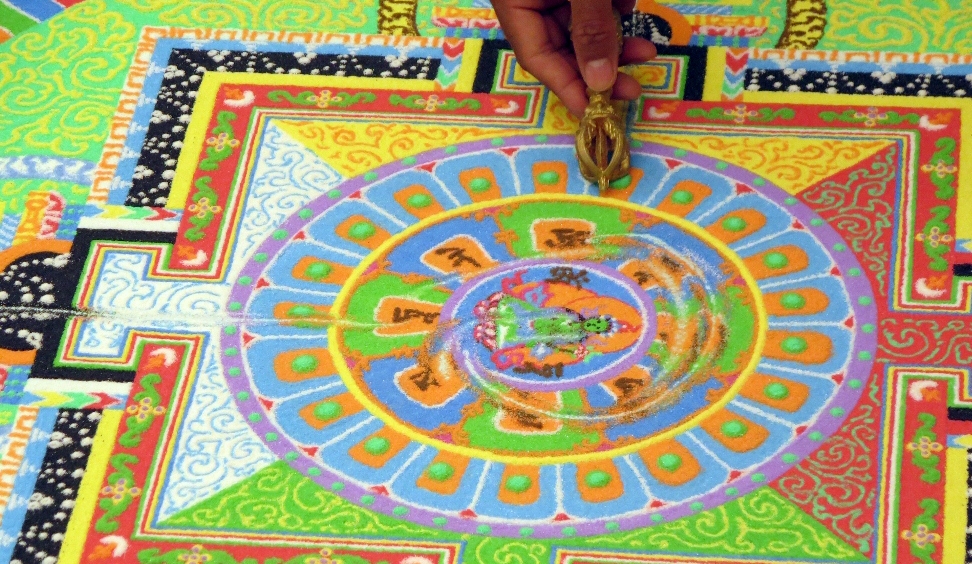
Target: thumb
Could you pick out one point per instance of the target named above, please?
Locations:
(594, 33)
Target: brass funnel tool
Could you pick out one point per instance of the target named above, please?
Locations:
(602, 140)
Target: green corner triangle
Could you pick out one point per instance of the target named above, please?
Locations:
(280, 499)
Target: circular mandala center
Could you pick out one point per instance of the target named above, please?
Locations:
(549, 325)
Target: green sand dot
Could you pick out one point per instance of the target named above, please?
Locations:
(479, 184)
(758, 182)
(837, 412)
(670, 462)
(229, 330)
(867, 328)
(775, 260)
(291, 456)
(815, 435)
(635, 144)
(419, 200)
(758, 477)
(483, 530)
(370, 176)
(855, 383)
(568, 531)
(548, 177)
(400, 511)
(734, 224)
(313, 471)
(722, 166)
(367, 499)
(305, 213)
(790, 201)
(260, 257)
(816, 222)
(612, 526)
(451, 149)
(864, 355)
(597, 479)
(697, 506)
(304, 363)
(680, 152)
(334, 194)
(361, 230)
(734, 429)
(231, 351)
(541, 138)
(792, 300)
(301, 310)
(244, 281)
(526, 532)
(657, 517)
(235, 306)
(497, 141)
(337, 486)
(377, 446)
(789, 458)
(280, 234)
(864, 300)
(518, 484)
(854, 272)
(620, 183)
(234, 371)
(242, 396)
(255, 417)
(731, 491)
(439, 521)
(317, 270)
(441, 471)
(794, 345)
(328, 410)
(682, 197)
(408, 161)
(271, 437)
(840, 247)
(776, 391)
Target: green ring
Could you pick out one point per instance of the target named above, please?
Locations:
(376, 446)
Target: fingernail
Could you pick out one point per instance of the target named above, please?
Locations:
(600, 74)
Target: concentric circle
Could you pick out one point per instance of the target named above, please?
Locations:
(470, 341)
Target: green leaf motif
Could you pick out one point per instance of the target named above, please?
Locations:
(432, 103)
(932, 238)
(218, 153)
(119, 493)
(943, 159)
(929, 464)
(140, 422)
(204, 216)
(741, 114)
(920, 545)
(870, 117)
(181, 556)
(323, 99)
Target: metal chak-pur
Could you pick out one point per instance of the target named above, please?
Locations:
(602, 143)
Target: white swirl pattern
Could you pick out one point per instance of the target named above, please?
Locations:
(287, 175)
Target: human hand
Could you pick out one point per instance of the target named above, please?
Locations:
(587, 56)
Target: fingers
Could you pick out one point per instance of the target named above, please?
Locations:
(637, 50)
(626, 87)
(625, 6)
(594, 35)
(544, 56)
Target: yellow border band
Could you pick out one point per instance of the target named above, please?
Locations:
(80, 524)
(715, 74)
(955, 515)
(402, 428)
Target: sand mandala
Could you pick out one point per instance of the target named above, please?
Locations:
(549, 363)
